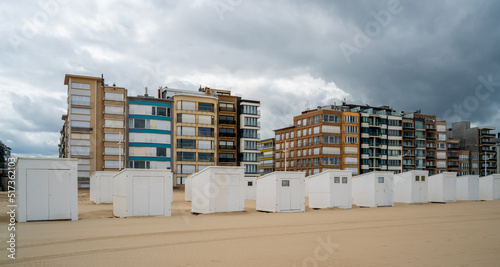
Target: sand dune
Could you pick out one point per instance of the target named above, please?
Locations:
(453, 234)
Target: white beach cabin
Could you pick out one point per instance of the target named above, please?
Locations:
(373, 189)
(142, 192)
(411, 187)
(281, 192)
(331, 188)
(250, 188)
(218, 189)
(442, 187)
(468, 187)
(47, 189)
(101, 187)
(489, 187)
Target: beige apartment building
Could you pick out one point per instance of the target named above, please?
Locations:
(94, 126)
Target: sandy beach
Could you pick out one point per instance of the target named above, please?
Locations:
(452, 234)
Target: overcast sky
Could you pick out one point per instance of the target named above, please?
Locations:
(438, 56)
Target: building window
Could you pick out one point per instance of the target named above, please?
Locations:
(316, 119)
(251, 122)
(350, 119)
(251, 169)
(80, 100)
(205, 157)
(250, 157)
(139, 123)
(112, 150)
(351, 129)
(186, 131)
(205, 144)
(160, 111)
(249, 133)
(205, 132)
(331, 161)
(206, 107)
(80, 124)
(186, 118)
(113, 109)
(331, 118)
(115, 96)
(226, 144)
(205, 119)
(330, 129)
(331, 140)
(80, 150)
(228, 107)
(139, 164)
(186, 105)
(186, 156)
(80, 85)
(350, 140)
(161, 152)
(80, 110)
(226, 119)
(186, 169)
(249, 109)
(111, 164)
(186, 143)
(251, 145)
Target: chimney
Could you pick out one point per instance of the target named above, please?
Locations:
(146, 91)
(159, 92)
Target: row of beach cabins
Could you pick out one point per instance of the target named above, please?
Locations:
(46, 189)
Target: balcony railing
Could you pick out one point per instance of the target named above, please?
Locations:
(227, 147)
(224, 109)
(227, 160)
(221, 134)
(227, 122)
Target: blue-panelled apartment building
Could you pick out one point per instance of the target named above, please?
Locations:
(149, 133)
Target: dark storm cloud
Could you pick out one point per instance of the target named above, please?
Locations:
(428, 55)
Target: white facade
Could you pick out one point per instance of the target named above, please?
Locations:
(250, 188)
(442, 187)
(281, 192)
(373, 189)
(101, 187)
(249, 120)
(468, 187)
(138, 192)
(489, 187)
(218, 189)
(47, 189)
(331, 188)
(411, 187)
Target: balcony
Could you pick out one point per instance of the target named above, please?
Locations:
(452, 156)
(430, 156)
(227, 160)
(431, 138)
(454, 148)
(233, 122)
(227, 147)
(431, 148)
(408, 137)
(81, 129)
(430, 129)
(227, 134)
(225, 109)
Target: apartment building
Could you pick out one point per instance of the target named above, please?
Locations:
(453, 156)
(195, 131)
(249, 126)
(381, 138)
(149, 133)
(266, 156)
(4, 165)
(320, 139)
(227, 127)
(477, 139)
(441, 150)
(95, 111)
